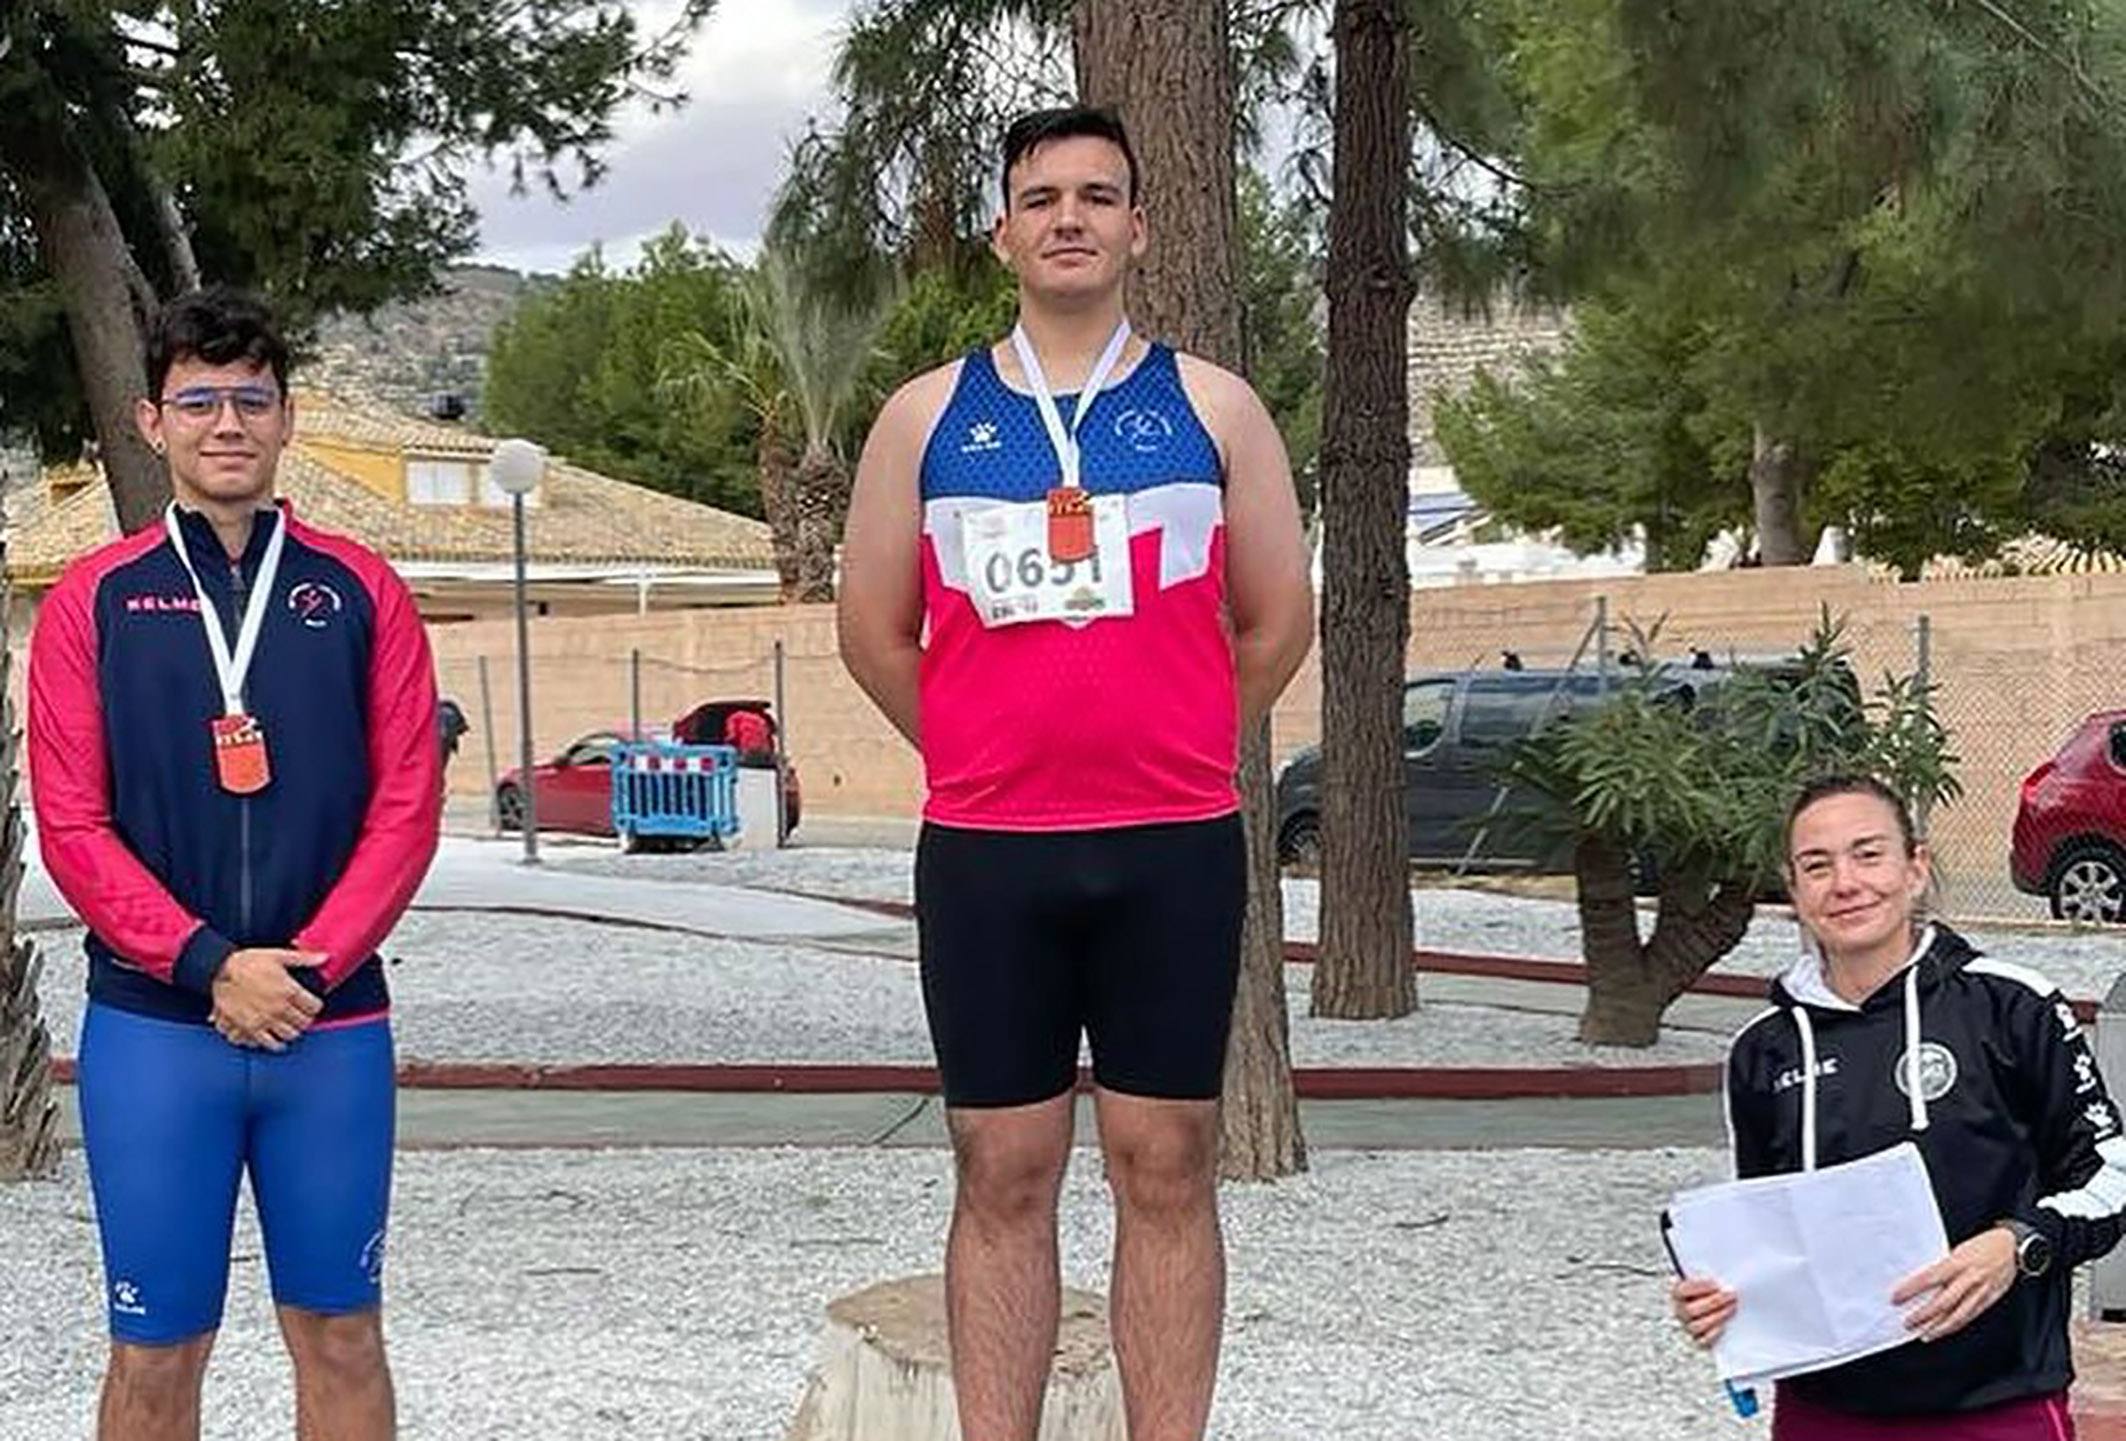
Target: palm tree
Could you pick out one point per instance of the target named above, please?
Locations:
(821, 342)
(694, 367)
(797, 358)
(1170, 67)
(29, 1117)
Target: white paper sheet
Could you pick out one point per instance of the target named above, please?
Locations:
(1812, 1258)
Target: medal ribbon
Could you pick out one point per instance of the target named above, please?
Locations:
(1066, 440)
(230, 670)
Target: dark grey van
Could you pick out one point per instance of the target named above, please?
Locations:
(1456, 725)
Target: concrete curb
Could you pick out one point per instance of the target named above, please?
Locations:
(1495, 966)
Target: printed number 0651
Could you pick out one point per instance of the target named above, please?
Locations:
(1033, 568)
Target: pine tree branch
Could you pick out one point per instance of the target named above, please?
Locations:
(1468, 152)
(2064, 61)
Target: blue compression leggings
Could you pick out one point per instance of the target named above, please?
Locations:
(173, 1115)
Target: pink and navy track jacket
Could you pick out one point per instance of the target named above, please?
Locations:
(171, 872)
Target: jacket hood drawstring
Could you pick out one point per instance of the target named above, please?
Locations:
(1915, 1093)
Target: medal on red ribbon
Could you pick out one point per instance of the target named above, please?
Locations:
(237, 740)
(240, 754)
(1070, 509)
(1070, 524)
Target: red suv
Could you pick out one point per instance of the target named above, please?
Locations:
(2070, 831)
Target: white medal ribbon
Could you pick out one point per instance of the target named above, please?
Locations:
(1066, 440)
(230, 670)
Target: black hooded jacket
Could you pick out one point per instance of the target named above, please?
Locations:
(2010, 1115)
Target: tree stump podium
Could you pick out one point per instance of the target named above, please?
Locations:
(885, 1371)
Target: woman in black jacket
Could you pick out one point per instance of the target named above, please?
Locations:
(1894, 1029)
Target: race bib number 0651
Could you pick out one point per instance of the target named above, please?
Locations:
(1013, 578)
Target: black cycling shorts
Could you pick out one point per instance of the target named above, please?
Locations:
(1130, 936)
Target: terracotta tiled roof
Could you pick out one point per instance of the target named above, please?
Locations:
(329, 416)
(581, 518)
(2027, 555)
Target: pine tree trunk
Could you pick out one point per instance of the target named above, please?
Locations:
(180, 263)
(1260, 1117)
(104, 292)
(822, 498)
(1167, 66)
(29, 1116)
(1366, 931)
(1775, 495)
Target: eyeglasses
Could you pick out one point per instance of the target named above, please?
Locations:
(202, 403)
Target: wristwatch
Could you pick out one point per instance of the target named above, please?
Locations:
(2033, 1250)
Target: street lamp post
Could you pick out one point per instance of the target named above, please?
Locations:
(515, 469)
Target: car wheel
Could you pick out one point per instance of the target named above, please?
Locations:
(1299, 843)
(632, 844)
(509, 808)
(2089, 885)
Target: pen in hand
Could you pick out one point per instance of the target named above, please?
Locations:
(1742, 1398)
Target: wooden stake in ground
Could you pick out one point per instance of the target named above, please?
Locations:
(885, 1371)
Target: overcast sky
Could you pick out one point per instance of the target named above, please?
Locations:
(755, 72)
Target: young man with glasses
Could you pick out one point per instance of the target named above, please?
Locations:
(1072, 619)
(236, 775)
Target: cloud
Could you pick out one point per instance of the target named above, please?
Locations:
(755, 73)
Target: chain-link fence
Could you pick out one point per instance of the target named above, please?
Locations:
(2037, 722)
(2025, 697)
(584, 695)
(588, 683)
(1492, 667)
(2041, 826)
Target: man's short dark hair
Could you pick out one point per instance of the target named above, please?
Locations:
(1038, 127)
(219, 325)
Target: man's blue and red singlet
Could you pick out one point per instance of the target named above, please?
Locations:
(1017, 718)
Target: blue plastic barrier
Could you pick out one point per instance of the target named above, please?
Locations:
(662, 788)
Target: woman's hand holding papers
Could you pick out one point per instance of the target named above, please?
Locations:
(1702, 1308)
(1966, 1282)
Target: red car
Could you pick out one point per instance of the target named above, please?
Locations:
(575, 789)
(2070, 830)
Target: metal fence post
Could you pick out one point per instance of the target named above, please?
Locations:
(634, 694)
(487, 730)
(1602, 644)
(1923, 676)
(782, 749)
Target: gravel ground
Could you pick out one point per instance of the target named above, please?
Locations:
(677, 1295)
(520, 988)
(2084, 963)
(849, 873)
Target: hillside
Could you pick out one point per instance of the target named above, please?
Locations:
(409, 352)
